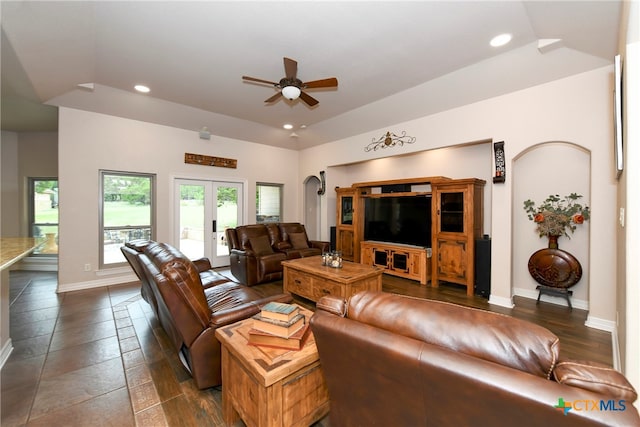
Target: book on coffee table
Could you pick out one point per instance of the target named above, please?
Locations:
(278, 327)
(294, 342)
(279, 311)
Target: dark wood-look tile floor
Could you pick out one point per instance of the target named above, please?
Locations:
(99, 357)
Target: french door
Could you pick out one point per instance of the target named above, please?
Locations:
(204, 209)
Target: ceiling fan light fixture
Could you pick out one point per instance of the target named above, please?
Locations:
(291, 92)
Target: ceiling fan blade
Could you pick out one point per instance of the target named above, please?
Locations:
(330, 82)
(253, 79)
(274, 97)
(311, 101)
(290, 68)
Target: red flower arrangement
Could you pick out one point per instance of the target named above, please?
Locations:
(555, 215)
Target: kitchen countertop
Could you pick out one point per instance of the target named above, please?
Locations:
(12, 249)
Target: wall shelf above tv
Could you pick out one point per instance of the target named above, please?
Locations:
(411, 181)
(409, 194)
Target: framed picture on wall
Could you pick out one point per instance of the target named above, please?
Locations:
(617, 116)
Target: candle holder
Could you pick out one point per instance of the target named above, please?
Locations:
(332, 259)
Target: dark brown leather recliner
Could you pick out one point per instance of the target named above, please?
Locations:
(256, 251)
(395, 360)
(133, 248)
(190, 313)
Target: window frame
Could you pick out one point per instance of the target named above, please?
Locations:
(280, 188)
(32, 211)
(101, 227)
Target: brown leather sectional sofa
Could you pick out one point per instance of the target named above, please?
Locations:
(396, 360)
(257, 251)
(191, 301)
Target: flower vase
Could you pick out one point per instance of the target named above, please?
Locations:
(553, 241)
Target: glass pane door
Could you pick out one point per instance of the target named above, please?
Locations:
(205, 209)
(228, 215)
(452, 212)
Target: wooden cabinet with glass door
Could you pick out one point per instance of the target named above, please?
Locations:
(457, 220)
(347, 222)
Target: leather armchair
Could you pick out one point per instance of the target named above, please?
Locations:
(395, 360)
(190, 313)
(251, 255)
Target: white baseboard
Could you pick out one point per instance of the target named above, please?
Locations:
(5, 352)
(501, 301)
(533, 294)
(90, 284)
(615, 348)
(602, 324)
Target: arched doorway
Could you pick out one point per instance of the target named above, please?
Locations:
(311, 215)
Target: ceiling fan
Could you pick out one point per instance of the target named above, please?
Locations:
(291, 87)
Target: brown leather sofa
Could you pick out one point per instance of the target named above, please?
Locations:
(396, 360)
(133, 248)
(189, 312)
(257, 251)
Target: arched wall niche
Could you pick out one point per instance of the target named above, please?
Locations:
(312, 207)
(539, 171)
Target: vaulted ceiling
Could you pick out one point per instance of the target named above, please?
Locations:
(395, 61)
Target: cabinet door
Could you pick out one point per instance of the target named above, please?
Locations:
(451, 218)
(400, 261)
(452, 260)
(345, 215)
(344, 243)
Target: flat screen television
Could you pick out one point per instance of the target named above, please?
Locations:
(398, 219)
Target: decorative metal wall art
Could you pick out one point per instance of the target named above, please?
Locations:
(390, 140)
(201, 159)
(323, 184)
(501, 169)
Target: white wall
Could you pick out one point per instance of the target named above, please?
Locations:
(89, 142)
(24, 155)
(629, 232)
(576, 110)
(10, 216)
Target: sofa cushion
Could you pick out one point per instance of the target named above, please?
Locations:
(595, 377)
(245, 233)
(490, 336)
(260, 245)
(298, 240)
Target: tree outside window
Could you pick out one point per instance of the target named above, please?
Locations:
(128, 213)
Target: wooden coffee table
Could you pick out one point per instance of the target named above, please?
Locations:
(308, 278)
(270, 387)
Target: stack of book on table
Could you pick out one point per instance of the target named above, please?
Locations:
(279, 325)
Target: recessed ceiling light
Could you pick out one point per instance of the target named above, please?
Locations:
(142, 88)
(500, 40)
(287, 126)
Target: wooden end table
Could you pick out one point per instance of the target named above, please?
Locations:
(310, 279)
(270, 387)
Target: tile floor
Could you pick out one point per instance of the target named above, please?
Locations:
(120, 371)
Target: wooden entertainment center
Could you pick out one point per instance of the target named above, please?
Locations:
(456, 222)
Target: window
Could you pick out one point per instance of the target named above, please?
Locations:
(127, 213)
(268, 202)
(43, 214)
